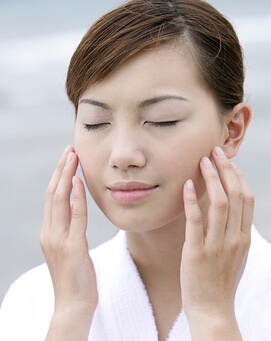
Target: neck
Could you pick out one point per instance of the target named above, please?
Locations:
(157, 253)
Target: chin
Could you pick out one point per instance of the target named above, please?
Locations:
(145, 223)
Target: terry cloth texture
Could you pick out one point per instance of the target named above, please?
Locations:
(124, 311)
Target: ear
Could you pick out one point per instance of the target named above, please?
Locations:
(236, 124)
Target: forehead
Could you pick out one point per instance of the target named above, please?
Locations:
(169, 67)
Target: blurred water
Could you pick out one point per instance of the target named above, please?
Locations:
(37, 123)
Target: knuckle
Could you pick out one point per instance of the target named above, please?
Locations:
(213, 174)
(235, 245)
(46, 243)
(196, 219)
(239, 245)
(237, 195)
(250, 199)
(79, 208)
(59, 166)
(42, 240)
(49, 193)
(227, 164)
(56, 199)
(78, 213)
(65, 172)
(54, 245)
(247, 243)
(221, 205)
(192, 200)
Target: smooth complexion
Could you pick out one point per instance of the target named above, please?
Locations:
(149, 122)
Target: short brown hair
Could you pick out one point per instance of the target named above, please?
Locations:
(141, 24)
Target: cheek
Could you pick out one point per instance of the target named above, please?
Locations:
(89, 161)
(90, 165)
(180, 164)
(181, 161)
(92, 175)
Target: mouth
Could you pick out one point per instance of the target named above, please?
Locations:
(128, 192)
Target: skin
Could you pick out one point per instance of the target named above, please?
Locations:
(196, 220)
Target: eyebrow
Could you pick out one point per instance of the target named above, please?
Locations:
(96, 103)
(158, 99)
(141, 105)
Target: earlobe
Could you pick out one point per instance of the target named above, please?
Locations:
(236, 125)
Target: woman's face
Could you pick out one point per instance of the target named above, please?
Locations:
(140, 134)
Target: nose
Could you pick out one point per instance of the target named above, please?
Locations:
(127, 151)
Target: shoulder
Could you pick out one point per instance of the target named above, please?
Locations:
(33, 286)
(35, 280)
(28, 306)
(37, 283)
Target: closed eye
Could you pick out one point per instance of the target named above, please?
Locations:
(163, 123)
(89, 127)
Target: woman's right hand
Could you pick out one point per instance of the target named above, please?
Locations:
(65, 248)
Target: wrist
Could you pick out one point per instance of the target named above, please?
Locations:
(71, 314)
(209, 327)
(69, 325)
(74, 312)
(69, 308)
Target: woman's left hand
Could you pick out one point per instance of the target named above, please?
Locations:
(214, 255)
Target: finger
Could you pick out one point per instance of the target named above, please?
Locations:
(79, 210)
(71, 208)
(47, 220)
(218, 209)
(248, 203)
(61, 199)
(194, 232)
(233, 190)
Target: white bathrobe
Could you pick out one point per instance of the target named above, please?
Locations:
(124, 312)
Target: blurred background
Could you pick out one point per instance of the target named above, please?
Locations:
(37, 39)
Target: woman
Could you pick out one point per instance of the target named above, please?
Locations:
(158, 93)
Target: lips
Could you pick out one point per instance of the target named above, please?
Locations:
(128, 192)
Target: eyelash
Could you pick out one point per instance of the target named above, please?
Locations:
(164, 123)
(89, 127)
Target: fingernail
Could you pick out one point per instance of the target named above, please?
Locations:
(207, 163)
(69, 158)
(219, 152)
(65, 153)
(73, 181)
(190, 186)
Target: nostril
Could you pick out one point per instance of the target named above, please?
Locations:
(124, 159)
